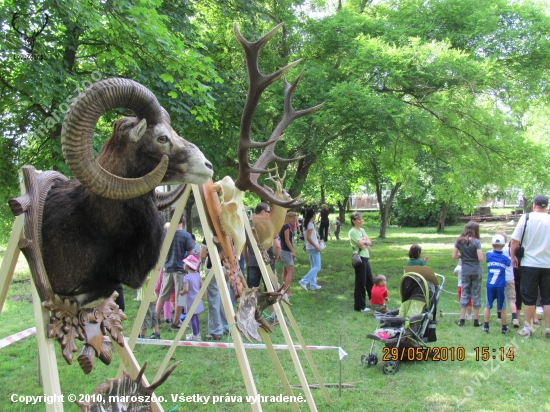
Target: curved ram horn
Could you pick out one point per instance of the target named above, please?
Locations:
(166, 199)
(165, 115)
(78, 129)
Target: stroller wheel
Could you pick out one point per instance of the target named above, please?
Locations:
(372, 359)
(369, 360)
(390, 367)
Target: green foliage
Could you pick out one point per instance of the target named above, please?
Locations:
(456, 90)
(153, 43)
(421, 212)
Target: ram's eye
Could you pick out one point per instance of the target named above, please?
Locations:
(162, 139)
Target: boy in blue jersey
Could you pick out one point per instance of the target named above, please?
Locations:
(497, 263)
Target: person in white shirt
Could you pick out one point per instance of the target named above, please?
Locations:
(532, 232)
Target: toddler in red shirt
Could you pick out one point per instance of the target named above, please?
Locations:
(379, 294)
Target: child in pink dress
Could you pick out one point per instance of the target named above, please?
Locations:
(192, 283)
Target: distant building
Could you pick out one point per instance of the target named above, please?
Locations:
(363, 202)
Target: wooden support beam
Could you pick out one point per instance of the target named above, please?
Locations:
(10, 259)
(279, 312)
(307, 352)
(46, 351)
(226, 301)
(278, 367)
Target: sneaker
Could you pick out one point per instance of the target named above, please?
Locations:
(469, 317)
(460, 322)
(499, 320)
(536, 323)
(505, 330)
(515, 322)
(167, 321)
(365, 310)
(485, 330)
(140, 336)
(316, 288)
(477, 324)
(154, 336)
(526, 333)
(303, 286)
(173, 326)
(193, 337)
(547, 335)
(540, 310)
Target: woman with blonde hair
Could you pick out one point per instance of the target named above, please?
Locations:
(314, 251)
(361, 244)
(288, 252)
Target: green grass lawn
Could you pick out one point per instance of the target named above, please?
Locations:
(323, 316)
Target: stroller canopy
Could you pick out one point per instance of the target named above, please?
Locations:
(414, 287)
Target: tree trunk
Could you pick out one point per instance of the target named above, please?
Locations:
(323, 194)
(342, 210)
(301, 174)
(445, 206)
(385, 207)
(188, 213)
(527, 205)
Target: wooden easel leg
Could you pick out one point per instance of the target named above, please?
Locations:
(46, 350)
(282, 323)
(184, 324)
(307, 352)
(10, 259)
(226, 302)
(278, 366)
(148, 293)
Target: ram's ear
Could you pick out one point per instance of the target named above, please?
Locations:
(138, 130)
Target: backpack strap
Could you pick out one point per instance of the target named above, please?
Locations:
(524, 227)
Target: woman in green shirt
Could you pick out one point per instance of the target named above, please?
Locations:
(361, 243)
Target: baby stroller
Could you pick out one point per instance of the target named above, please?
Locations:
(406, 331)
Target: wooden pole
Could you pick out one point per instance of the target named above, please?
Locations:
(226, 301)
(46, 350)
(177, 338)
(307, 352)
(148, 293)
(278, 367)
(340, 370)
(280, 316)
(10, 259)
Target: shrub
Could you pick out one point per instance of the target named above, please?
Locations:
(412, 212)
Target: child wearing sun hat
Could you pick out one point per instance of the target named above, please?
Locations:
(192, 283)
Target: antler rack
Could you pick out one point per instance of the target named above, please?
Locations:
(258, 82)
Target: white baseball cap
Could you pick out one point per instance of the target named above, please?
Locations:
(498, 240)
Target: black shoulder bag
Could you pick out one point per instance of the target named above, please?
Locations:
(520, 250)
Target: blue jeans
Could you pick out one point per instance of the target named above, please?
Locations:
(216, 314)
(315, 263)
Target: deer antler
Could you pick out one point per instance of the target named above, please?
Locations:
(258, 82)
